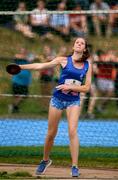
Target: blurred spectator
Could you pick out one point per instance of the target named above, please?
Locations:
(20, 82)
(21, 21)
(105, 77)
(112, 55)
(83, 3)
(90, 102)
(100, 21)
(78, 23)
(116, 81)
(47, 75)
(113, 20)
(60, 22)
(40, 20)
(61, 52)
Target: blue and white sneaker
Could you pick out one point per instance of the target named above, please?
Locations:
(75, 171)
(43, 166)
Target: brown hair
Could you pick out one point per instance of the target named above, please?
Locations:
(86, 53)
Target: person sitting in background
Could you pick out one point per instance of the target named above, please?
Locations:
(46, 76)
(61, 52)
(21, 21)
(83, 3)
(116, 80)
(40, 20)
(105, 78)
(21, 81)
(112, 55)
(100, 20)
(90, 101)
(113, 20)
(60, 22)
(78, 23)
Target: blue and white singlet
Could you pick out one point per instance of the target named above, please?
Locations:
(71, 75)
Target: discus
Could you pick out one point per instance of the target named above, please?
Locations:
(13, 69)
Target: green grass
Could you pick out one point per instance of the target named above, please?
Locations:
(89, 156)
(16, 175)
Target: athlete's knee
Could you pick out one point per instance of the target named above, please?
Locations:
(51, 134)
(72, 132)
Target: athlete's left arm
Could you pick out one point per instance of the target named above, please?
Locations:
(76, 88)
(86, 86)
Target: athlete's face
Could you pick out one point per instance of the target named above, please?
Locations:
(79, 45)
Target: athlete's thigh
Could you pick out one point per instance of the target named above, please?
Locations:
(73, 113)
(54, 116)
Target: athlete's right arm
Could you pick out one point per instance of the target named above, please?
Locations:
(40, 66)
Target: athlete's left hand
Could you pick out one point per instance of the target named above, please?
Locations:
(63, 87)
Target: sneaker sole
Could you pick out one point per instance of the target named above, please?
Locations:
(44, 169)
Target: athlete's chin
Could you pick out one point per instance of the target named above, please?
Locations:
(78, 50)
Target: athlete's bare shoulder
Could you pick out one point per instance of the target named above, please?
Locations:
(62, 60)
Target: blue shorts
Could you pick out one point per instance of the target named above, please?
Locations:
(60, 104)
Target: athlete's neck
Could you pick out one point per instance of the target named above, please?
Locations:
(77, 56)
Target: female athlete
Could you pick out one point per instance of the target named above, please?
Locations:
(75, 78)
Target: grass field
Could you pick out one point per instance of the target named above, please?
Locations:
(89, 157)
